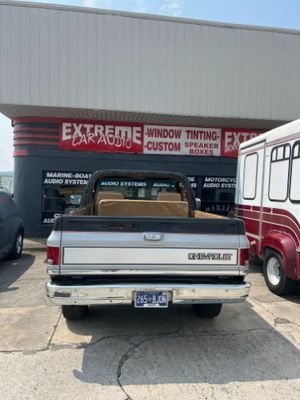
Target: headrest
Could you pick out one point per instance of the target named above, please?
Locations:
(169, 196)
(107, 195)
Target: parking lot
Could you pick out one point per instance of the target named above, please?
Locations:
(251, 351)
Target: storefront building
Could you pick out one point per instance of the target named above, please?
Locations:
(61, 155)
(90, 90)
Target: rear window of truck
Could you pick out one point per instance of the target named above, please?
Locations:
(139, 189)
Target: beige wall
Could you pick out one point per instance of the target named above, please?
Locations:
(81, 59)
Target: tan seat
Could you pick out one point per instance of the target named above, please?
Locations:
(107, 195)
(141, 208)
(169, 196)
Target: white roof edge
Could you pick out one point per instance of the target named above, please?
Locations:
(276, 133)
(149, 16)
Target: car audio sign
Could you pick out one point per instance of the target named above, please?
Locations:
(118, 137)
(102, 136)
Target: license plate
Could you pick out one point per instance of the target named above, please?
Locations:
(151, 299)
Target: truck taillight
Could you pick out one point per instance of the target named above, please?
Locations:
(53, 255)
(244, 257)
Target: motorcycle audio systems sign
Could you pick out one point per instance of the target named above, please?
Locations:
(118, 137)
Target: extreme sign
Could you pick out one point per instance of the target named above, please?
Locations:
(126, 137)
(102, 136)
(232, 138)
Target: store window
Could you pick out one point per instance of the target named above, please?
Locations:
(193, 180)
(295, 187)
(250, 176)
(279, 172)
(61, 192)
(217, 194)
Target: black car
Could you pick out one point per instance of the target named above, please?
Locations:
(11, 227)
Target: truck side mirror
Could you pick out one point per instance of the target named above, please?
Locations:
(75, 199)
(198, 203)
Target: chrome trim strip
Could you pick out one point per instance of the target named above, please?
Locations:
(124, 293)
(54, 271)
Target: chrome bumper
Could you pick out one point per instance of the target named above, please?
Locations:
(124, 293)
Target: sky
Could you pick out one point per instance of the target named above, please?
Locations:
(272, 13)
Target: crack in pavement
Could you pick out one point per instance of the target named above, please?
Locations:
(176, 333)
(126, 357)
(136, 341)
(53, 332)
(84, 345)
(129, 353)
(78, 346)
(34, 351)
(150, 336)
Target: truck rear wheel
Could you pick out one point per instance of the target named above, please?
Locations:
(207, 310)
(74, 312)
(274, 274)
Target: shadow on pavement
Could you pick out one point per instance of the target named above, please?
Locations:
(147, 347)
(12, 270)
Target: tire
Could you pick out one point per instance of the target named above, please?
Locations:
(207, 310)
(17, 247)
(74, 312)
(273, 270)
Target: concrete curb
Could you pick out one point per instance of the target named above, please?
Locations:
(34, 244)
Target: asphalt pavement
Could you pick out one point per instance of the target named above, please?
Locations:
(251, 351)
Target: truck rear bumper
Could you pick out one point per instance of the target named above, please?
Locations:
(124, 293)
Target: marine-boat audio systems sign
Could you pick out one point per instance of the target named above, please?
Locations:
(117, 137)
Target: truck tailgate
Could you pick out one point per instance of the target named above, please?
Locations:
(134, 246)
